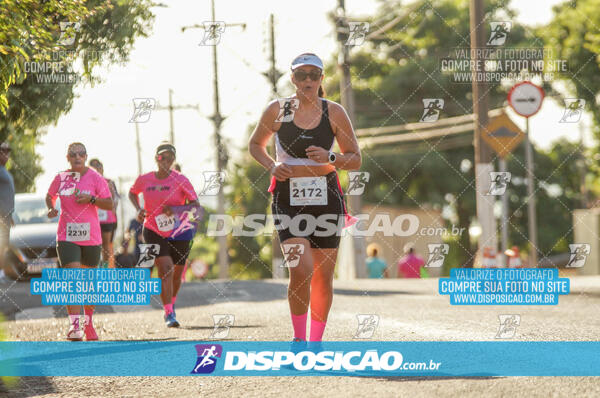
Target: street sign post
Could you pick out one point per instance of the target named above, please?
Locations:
(503, 136)
(526, 100)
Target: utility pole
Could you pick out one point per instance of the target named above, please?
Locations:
(217, 119)
(483, 154)
(171, 108)
(347, 98)
(504, 217)
(581, 162)
(273, 75)
(138, 148)
(222, 156)
(533, 242)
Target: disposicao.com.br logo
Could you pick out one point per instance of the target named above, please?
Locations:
(207, 358)
(269, 362)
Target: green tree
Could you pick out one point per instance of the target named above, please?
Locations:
(391, 74)
(106, 36)
(573, 36)
(558, 178)
(29, 31)
(250, 255)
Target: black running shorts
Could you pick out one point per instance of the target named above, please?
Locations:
(308, 220)
(178, 250)
(69, 252)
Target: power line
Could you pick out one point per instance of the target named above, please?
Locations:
(347, 99)
(171, 108)
(213, 33)
(273, 75)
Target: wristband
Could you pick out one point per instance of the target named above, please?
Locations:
(272, 167)
(93, 199)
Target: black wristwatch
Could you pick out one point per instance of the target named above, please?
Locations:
(331, 157)
(93, 199)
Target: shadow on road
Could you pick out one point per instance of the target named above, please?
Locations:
(28, 387)
(212, 327)
(428, 378)
(358, 292)
(142, 340)
(207, 293)
(192, 294)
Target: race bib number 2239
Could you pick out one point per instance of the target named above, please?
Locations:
(78, 232)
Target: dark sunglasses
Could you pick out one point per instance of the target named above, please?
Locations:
(165, 157)
(300, 75)
(81, 154)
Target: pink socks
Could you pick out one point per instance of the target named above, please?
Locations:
(173, 300)
(299, 324)
(88, 315)
(168, 308)
(316, 330)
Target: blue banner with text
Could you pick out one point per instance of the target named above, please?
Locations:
(276, 358)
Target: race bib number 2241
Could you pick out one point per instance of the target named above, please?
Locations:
(164, 222)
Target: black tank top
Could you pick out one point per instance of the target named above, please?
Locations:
(294, 140)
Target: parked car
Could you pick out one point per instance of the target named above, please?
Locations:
(32, 240)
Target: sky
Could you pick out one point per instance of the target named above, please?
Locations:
(170, 58)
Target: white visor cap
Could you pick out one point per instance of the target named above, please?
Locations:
(307, 59)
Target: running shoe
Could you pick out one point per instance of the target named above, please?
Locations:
(75, 333)
(297, 345)
(170, 320)
(314, 346)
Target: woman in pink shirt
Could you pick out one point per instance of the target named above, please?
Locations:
(108, 218)
(161, 190)
(82, 191)
(410, 265)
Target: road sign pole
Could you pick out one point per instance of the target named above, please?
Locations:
(526, 99)
(533, 262)
(504, 217)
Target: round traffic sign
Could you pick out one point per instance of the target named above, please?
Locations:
(526, 98)
(199, 268)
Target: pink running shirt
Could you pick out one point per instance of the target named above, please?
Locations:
(170, 191)
(410, 265)
(78, 223)
(107, 216)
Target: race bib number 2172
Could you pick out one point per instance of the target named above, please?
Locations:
(308, 191)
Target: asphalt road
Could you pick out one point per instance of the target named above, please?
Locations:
(409, 310)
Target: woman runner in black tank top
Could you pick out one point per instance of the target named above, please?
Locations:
(292, 141)
(305, 184)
